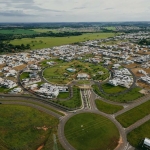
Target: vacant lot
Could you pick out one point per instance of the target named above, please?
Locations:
(26, 128)
(63, 95)
(89, 131)
(112, 89)
(107, 108)
(136, 136)
(46, 42)
(135, 114)
(131, 95)
(24, 75)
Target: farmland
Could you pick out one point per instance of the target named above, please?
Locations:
(46, 42)
(90, 132)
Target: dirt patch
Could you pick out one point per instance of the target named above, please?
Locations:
(42, 128)
(136, 73)
(143, 85)
(119, 142)
(132, 65)
(40, 148)
(2, 65)
(19, 68)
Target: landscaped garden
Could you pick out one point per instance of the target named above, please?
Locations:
(60, 75)
(88, 131)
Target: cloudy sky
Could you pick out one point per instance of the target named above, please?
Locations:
(74, 10)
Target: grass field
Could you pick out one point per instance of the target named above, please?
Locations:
(45, 30)
(137, 135)
(75, 101)
(112, 89)
(18, 31)
(89, 131)
(24, 75)
(131, 95)
(63, 95)
(25, 128)
(111, 28)
(57, 73)
(138, 112)
(107, 108)
(58, 41)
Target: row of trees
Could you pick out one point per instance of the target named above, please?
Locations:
(7, 37)
(6, 47)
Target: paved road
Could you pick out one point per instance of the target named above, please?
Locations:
(33, 106)
(133, 105)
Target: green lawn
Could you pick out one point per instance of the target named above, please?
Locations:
(107, 108)
(21, 128)
(135, 114)
(88, 131)
(131, 95)
(112, 89)
(63, 95)
(58, 41)
(18, 31)
(75, 101)
(111, 28)
(24, 75)
(137, 135)
(57, 73)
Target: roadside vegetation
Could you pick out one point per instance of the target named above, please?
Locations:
(26, 128)
(128, 118)
(75, 101)
(136, 136)
(88, 131)
(106, 107)
(131, 95)
(63, 95)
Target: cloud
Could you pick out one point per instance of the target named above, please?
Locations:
(108, 8)
(75, 10)
(14, 13)
(79, 7)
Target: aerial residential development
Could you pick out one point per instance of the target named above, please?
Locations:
(74, 75)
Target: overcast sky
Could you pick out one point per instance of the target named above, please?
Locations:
(74, 10)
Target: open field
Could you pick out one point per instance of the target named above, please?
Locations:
(58, 41)
(26, 128)
(111, 28)
(138, 112)
(137, 135)
(131, 95)
(89, 131)
(18, 31)
(45, 30)
(63, 95)
(107, 108)
(24, 75)
(75, 101)
(112, 89)
(59, 74)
